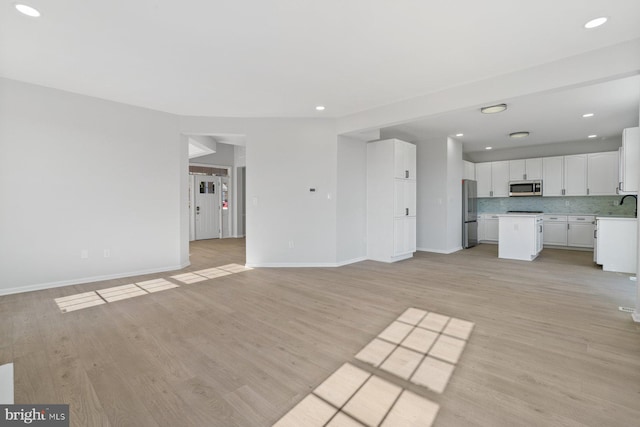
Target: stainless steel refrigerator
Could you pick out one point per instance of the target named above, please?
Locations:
(469, 213)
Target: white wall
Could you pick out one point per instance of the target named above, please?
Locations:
(351, 200)
(284, 158)
(439, 213)
(224, 156)
(432, 195)
(80, 173)
(455, 169)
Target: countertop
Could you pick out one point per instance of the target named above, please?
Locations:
(617, 218)
(520, 214)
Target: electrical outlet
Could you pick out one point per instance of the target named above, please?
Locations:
(84, 254)
(615, 203)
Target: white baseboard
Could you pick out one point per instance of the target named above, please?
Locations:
(82, 280)
(441, 251)
(351, 261)
(304, 264)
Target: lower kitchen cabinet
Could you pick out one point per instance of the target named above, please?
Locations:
(617, 244)
(580, 231)
(490, 228)
(555, 230)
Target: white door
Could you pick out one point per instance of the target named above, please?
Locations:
(207, 207)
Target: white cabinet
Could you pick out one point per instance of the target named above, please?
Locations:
(483, 176)
(493, 179)
(500, 178)
(617, 244)
(525, 169)
(391, 200)
(490, 228)
(555, 230)
(553, 176)
(629, 154)
(469, 171)
(575, 175)
(602, 173)
(580, 231)
(520, 236)
(404, 160)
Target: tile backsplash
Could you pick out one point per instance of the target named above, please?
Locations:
(595, 205)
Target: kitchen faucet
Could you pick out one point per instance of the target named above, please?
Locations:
(635, 197)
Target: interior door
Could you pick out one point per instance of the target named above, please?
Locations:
(207, 207)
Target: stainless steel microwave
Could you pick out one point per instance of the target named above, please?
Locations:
(525, 188)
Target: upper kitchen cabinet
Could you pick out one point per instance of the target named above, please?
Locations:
(575, 175)
(469, 171)
(628, 163)
(404, 160)
(525, 169)
(483, 176)
(591, 174)
(493, 179)
(602, 173)
(553, 176)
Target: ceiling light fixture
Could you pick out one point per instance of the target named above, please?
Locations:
(595, 22)
(459, 134)
(519, 134)
(492, 109)
(320, 107)
(588, 115)
(592, 136)
(27, 10)
(488, 148)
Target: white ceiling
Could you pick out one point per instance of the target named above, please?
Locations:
(281, 58)
(553, 117)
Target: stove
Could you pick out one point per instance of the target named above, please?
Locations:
(531, 212)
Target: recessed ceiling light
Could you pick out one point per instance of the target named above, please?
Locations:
(595, 22)
(27, 10)
(320, 107)
(588, 115)
(459, 134)
(592, 136)
(492, 109)
(488, 148)
(519, 134)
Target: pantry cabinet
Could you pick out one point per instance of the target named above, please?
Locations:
(391, 200)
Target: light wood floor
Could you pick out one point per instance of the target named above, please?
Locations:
(549, 346)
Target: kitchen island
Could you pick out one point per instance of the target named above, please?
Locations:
(520, 235)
